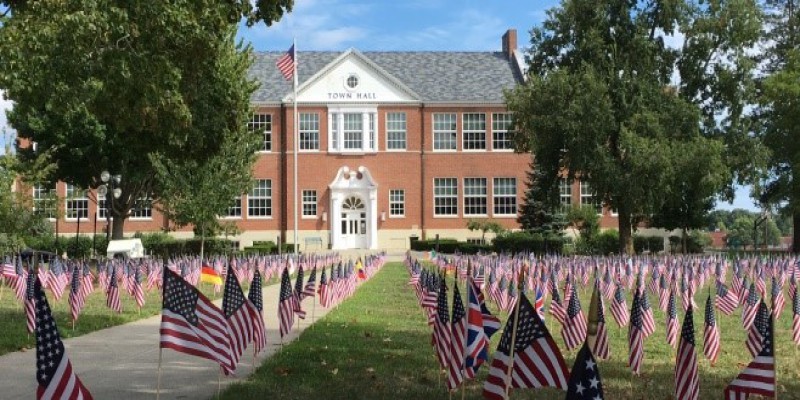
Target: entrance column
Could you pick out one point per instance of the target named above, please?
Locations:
(372, 220)
(336, 220)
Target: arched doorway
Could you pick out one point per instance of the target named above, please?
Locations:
(354, 223)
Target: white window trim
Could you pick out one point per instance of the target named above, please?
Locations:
(458, 209)
(580, 189)
(364, 110)
(55, 202)
(491, 139)
(271, 136)
(386, 131)
(433, 134)
(67, 199)
(233, 217)
(246, 204)
(319, 135)
(302, 205)
(486, 144)
(516, 197)
(397, 216)
(485, 196)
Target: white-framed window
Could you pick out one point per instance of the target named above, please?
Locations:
(101, 208)
(445, 196)
(309, 131)
(501, 125)
(259, 200)
(397, 203)
(261, 124)
(588, 198)
(44, 201)
(565, 194)
(475, 196)
(444, 132)
(473, 131)
(142, 208)
(309, 203)
(352, 129)
(504, 198)
(235, 209)
(77, 203)
(396, 131)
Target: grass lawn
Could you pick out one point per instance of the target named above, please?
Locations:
(377, 345)
(94, 316)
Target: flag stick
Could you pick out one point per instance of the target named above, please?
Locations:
(219, 381)
(513, 343)
(774, 355)
(158, 384)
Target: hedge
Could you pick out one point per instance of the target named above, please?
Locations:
(653, 244)
(450, 246)
(523, 242)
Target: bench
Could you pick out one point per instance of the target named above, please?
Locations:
(313, 240)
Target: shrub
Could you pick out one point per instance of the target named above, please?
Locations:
(450, 246)
(523, 242)
(607, 242)
(653, 244)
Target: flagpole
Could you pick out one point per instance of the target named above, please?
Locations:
(296, 139)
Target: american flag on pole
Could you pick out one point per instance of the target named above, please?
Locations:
(286, 304)
(112, 293)
(596, 331)
(757, 331)
(136, 287)
(726, 300)
(256, 297)
(30, 301)
(710, 333)
(556, 307)
(759, 376)
(441, 327)
(584, 381)
(241, 314)
(687, 385)
(481, 325)
(191, 324)
(796, 319)
(75, 299)
(648, 323)
(323, 289)
(535, 362)
(54, 371)
(574, 330)
(285, 64)
(458, 341)
(308, 290)
(636, 336)
(750, 307)
(778, 301)
(619, 308)
(298, 294)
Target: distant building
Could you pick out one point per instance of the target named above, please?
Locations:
(392, 145)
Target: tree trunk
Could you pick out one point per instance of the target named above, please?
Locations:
(117, 228)
(683, 241)
(796, 232)
(202, 240)
(625, 234)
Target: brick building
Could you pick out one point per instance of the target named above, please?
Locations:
(392, 145)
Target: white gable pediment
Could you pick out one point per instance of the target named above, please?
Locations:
(353, 78)
(347, 179)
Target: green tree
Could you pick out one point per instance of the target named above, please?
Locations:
(600, 102)
(485, 226)
(117, 86)
(779, 109)
(537, 211)
(585, 220)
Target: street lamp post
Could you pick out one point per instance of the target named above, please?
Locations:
(110, 182)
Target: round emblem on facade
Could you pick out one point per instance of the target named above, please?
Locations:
(351, 82)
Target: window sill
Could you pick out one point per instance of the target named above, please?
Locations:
(309, 217)
(446, 216)
(228, 218)
(504, 216)
(397, 216)
(249, 217)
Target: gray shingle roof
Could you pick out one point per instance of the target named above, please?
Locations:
(478, 77)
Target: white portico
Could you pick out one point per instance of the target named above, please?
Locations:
(354, 205)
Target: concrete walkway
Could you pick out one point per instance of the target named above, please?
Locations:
(122, 362)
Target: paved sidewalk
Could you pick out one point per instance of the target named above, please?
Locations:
(122, 362)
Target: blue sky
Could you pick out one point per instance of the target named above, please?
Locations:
(453, 25)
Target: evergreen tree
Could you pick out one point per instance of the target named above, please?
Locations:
(537, 214)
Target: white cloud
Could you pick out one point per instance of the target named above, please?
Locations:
(4, 105)
(472, 29)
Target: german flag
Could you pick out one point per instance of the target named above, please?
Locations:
(208, 274)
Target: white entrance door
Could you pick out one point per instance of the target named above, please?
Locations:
(354, 223)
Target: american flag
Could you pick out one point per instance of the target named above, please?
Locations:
(597, 333)
(574, 330)
(687, 386)
(744, 291)
(636, 336)
(87, 286)
(75, 299)
(298, 294)
(136, 287)
(191, 324)
(441, 328)
(757, 331)
(323, 290)
(20, 281)
(648, 323)
(458, 341)
(584, 381)
(256, 297)
(112, 293)
(663, 293)
(796, 319)
(308, 290)
(241, 314)
(535, 362)
(285, 64)
(760, 283)
(758, 377)
(726, 300)
(619, 308)
(286, 304)
(30, 301)
(711, 333)
(750, 307)
(778, 301)
(54, 371)
(556, 308)
(481, 325)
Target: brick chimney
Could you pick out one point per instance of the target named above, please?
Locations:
(510, 43)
